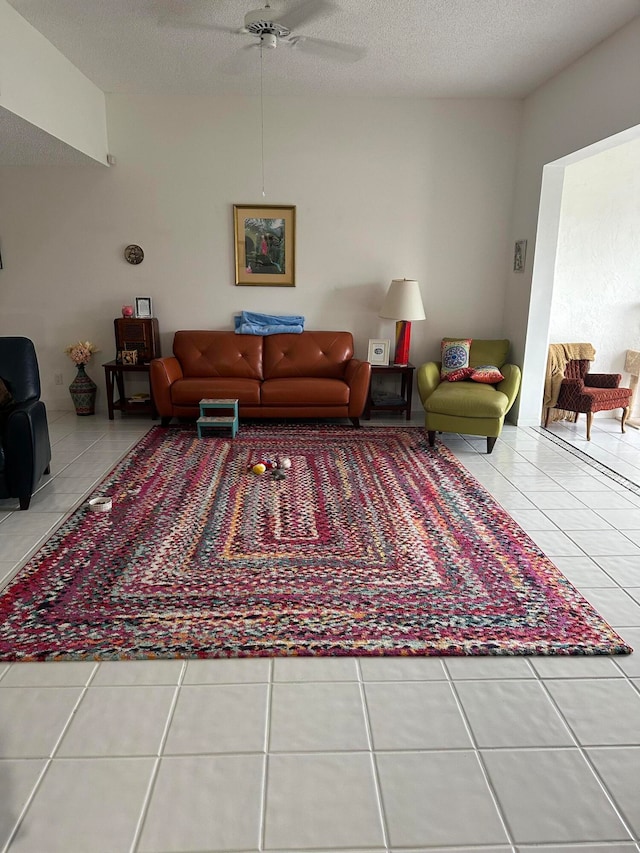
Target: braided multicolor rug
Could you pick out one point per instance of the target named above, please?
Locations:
(374, 544)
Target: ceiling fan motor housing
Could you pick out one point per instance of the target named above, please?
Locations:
(255, 23)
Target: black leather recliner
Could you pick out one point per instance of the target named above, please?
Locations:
(25, 450)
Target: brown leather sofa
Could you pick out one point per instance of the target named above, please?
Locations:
(310, 375)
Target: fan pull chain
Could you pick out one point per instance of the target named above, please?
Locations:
(262, 119)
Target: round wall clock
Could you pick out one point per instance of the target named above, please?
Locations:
(133, 254)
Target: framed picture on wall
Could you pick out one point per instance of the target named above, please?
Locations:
(265, 244)
(379, 352)
(519, 255)
(143, 306)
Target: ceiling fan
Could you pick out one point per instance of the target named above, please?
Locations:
(271, 29)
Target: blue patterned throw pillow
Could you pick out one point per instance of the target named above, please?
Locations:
(455, 355)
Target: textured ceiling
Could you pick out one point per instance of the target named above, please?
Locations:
(418, 48)
(406, 48)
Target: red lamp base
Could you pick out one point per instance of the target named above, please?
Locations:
(403, 339)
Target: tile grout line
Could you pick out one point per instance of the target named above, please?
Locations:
(49, 760)
(480, 759)
(372, 757)
(156, 764)
(26, 805)
(262, 820)
(586, 758)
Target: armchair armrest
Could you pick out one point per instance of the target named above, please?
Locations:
(428, 378)
(510, 385)
(572, 387)
(163, 372)
(603, 380)
(26, 447)
(357, 376)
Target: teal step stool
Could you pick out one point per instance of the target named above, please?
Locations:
(205, 421)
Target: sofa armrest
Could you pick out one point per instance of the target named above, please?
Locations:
(603, 380)
(163, 372)
(428, 377)
(510, 385)
(357, 376)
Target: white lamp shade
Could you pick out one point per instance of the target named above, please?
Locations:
(403, 301)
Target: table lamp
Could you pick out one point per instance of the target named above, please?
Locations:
(403, 303)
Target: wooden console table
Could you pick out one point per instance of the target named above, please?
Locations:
(114, 377)
(391, 403)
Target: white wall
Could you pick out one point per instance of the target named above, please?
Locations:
(596, 97)
(384, 188)
(596, 293)
(41, 86)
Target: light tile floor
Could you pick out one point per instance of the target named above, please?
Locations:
(364, 755)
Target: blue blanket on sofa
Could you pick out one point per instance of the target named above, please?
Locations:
(253, 323)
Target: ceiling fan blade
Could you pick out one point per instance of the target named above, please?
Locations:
(307, 10)
(328, 49)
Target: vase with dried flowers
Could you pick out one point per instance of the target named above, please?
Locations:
(83, 388)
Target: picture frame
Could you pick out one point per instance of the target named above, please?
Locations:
(265, 244)
(378, 353)
(130, 356)
(143, 307)
(519, 255)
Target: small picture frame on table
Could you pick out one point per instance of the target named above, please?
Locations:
(143, 307)
(129, 356)
(379, 352)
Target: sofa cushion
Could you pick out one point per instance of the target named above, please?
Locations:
(311, 354)
(189, 392)
(219, 354)
(467, 400)
(303, 391)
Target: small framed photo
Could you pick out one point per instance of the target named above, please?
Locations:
(379, 352)
(143, 306)
(519, 255)
(130, 356)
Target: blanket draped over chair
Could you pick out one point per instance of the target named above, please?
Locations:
(559, 356)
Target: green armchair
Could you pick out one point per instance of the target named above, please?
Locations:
(468, 407)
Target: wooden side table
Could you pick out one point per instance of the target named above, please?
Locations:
(114, 373)
(391, 402)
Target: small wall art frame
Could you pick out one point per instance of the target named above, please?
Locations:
(379, 352)
(143, 307)
(519, 255)
(265, 244)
